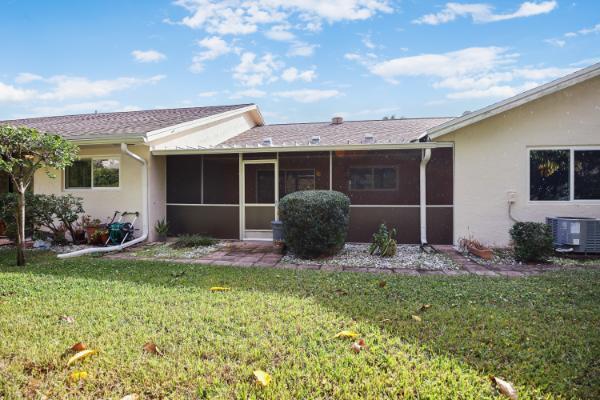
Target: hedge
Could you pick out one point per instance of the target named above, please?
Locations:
(315, 222)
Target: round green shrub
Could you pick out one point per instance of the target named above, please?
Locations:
(315, 222)
(532, 241)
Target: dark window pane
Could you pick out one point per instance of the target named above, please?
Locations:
(385, 178)
(361, 178)
(79, 175)
(106, 173)
(549, 175)
(587, 175)
(293, 181)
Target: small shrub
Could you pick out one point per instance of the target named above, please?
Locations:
(186, 241)
(161, 227)
(532, 241)
(383, 242)
(315, 222)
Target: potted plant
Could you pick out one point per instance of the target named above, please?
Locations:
(100, 237)
(476, 248)
(162, 228)
(91, 226)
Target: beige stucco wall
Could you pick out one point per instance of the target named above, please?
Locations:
(491, 159)
(102, 203)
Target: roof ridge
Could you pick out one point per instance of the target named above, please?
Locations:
(354, 121)
(131, 111)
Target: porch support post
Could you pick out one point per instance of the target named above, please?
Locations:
(425, 157)
(241, 194)
(330, 170)
(276, 187)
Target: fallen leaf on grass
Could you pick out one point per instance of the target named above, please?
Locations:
(219, 289)
(346, 335)
(77, 376)
(504, 387)
(66, 319)
(382, 284)
(151, 348)
(79, 346)
(341, 292)
(262, 378)
(358, 346)
(425, 307)
(81, 355)
(133, 396)
(416, 318)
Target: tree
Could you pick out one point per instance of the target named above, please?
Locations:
(23, 151)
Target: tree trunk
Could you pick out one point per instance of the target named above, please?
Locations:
(20, 227)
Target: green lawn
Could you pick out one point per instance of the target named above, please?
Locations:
(542, 333)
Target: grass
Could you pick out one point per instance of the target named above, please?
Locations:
(539, 332)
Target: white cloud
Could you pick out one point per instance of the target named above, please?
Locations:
(470, 73)
(148, 56)
(461, 62)
(255, 72)
(503, 91)
(280, 33)
(63, 87)
(208, 94)
(240, 17)
(556, 42)
(293, 74)
(588, 31)
(69, 87)
(26, 77)
(301, 49)
(308, 95)
(561, 42)
(255, 93)
(214, 47)
(484, 13)
(10, 94)
(542, 74)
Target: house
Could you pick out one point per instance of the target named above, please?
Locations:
(221, 170)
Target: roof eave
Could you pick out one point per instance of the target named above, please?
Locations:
(513, 102)
(307, 148)
(137, 139)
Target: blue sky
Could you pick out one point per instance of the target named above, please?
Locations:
(299, 60)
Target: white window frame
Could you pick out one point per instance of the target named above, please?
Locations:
(92, 187)
(572, 199)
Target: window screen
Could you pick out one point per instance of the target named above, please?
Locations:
(79, 175)
(549, 175)
(587, 174)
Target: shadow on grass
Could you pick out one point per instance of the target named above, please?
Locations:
(540, 331)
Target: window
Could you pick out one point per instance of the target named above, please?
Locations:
(93, 173)
(549, 175)
(295, 180)
(373, 178)
(587, 174)
(564, 174)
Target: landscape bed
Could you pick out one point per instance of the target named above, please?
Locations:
(357, 255)
(538, 332)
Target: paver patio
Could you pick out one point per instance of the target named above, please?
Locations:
(264, 254)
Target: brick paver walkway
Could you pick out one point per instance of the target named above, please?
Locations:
(263, 254)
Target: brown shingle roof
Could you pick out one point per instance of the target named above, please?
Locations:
(395, 131)
(122, 124)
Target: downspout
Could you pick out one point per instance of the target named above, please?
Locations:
(425, 157)
(146, 219)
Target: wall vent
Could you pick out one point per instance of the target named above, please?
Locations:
(369, 138)
(337, 120)
(315, 140)
(267, 141)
